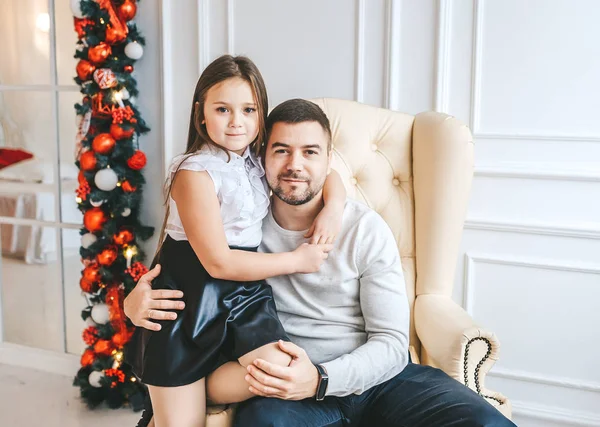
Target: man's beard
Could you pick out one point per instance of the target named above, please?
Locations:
(295, 200)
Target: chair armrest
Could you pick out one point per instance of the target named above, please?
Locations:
(455, 344)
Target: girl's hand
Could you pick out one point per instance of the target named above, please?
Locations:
(326, 226)
(310, 257)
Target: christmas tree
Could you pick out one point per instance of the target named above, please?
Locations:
(109, 194)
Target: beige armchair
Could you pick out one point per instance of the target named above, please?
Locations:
(416, 172)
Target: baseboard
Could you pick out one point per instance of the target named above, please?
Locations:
(42, 360)
(562, 415)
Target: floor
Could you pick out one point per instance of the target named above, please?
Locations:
(31, 398)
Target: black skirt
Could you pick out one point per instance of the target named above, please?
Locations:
(222, 320)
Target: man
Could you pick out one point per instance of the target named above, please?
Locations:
(348, 323)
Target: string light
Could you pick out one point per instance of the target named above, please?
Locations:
(129, 253)
(118, 96)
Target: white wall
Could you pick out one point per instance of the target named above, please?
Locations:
(524, 76)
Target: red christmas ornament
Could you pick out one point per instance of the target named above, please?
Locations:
(119, 339)
(127, 10)
(103, 347)
(83, 190)
(137, 161)
(92, 273)
(94, 219)
(103, 143)
(90, 335)
(99, 53)
(87, 358)
(128, 69)
(137, 270)
(120, 115)
(80, 25)
(115, 374)
(114, 35)
(107, 256)
(127, 187)
(85, 69)
(81, 177)
(87, 161)
(123, 237)
(118, 132)
(86, 286)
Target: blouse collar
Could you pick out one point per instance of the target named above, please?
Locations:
(248, 154)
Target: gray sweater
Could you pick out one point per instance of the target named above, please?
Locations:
(352, 316)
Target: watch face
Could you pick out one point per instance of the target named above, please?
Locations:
(322, 385)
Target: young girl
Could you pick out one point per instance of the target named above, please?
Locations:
(217, 199)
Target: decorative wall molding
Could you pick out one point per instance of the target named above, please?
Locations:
(539, 173)
(230, 27)
(359, 67)
(443, 48)
(561, 416)
(476, 72)
(537, 136)
(544, 264)
(203, 34)
(540, 228)
(545, 379)
(476, 59)
(393, 59)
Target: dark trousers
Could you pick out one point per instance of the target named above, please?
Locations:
(418, 396)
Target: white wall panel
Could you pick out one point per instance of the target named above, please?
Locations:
(546, 53)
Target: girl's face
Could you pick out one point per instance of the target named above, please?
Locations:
(230, 115)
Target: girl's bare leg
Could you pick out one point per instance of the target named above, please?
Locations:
(227, 383)
(183, 406)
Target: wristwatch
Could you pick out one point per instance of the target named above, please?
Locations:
(323, 381)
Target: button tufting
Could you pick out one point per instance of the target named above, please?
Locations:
(353, 181)
(396, 181)
(374, 147)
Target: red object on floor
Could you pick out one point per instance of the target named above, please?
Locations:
(9, 156)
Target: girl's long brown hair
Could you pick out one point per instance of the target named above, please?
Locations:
(223, 68)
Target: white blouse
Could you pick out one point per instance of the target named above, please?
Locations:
(240, 188)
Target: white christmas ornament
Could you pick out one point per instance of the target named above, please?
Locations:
(95, 377)
(88, 239)
(90, 322)
(76, 8)
(100, 314)
(126, 212)
(96, 203)
(134, 50)
(106, 179)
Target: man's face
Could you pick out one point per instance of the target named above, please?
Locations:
(297, 161)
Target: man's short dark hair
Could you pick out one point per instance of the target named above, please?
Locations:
(298, 111)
